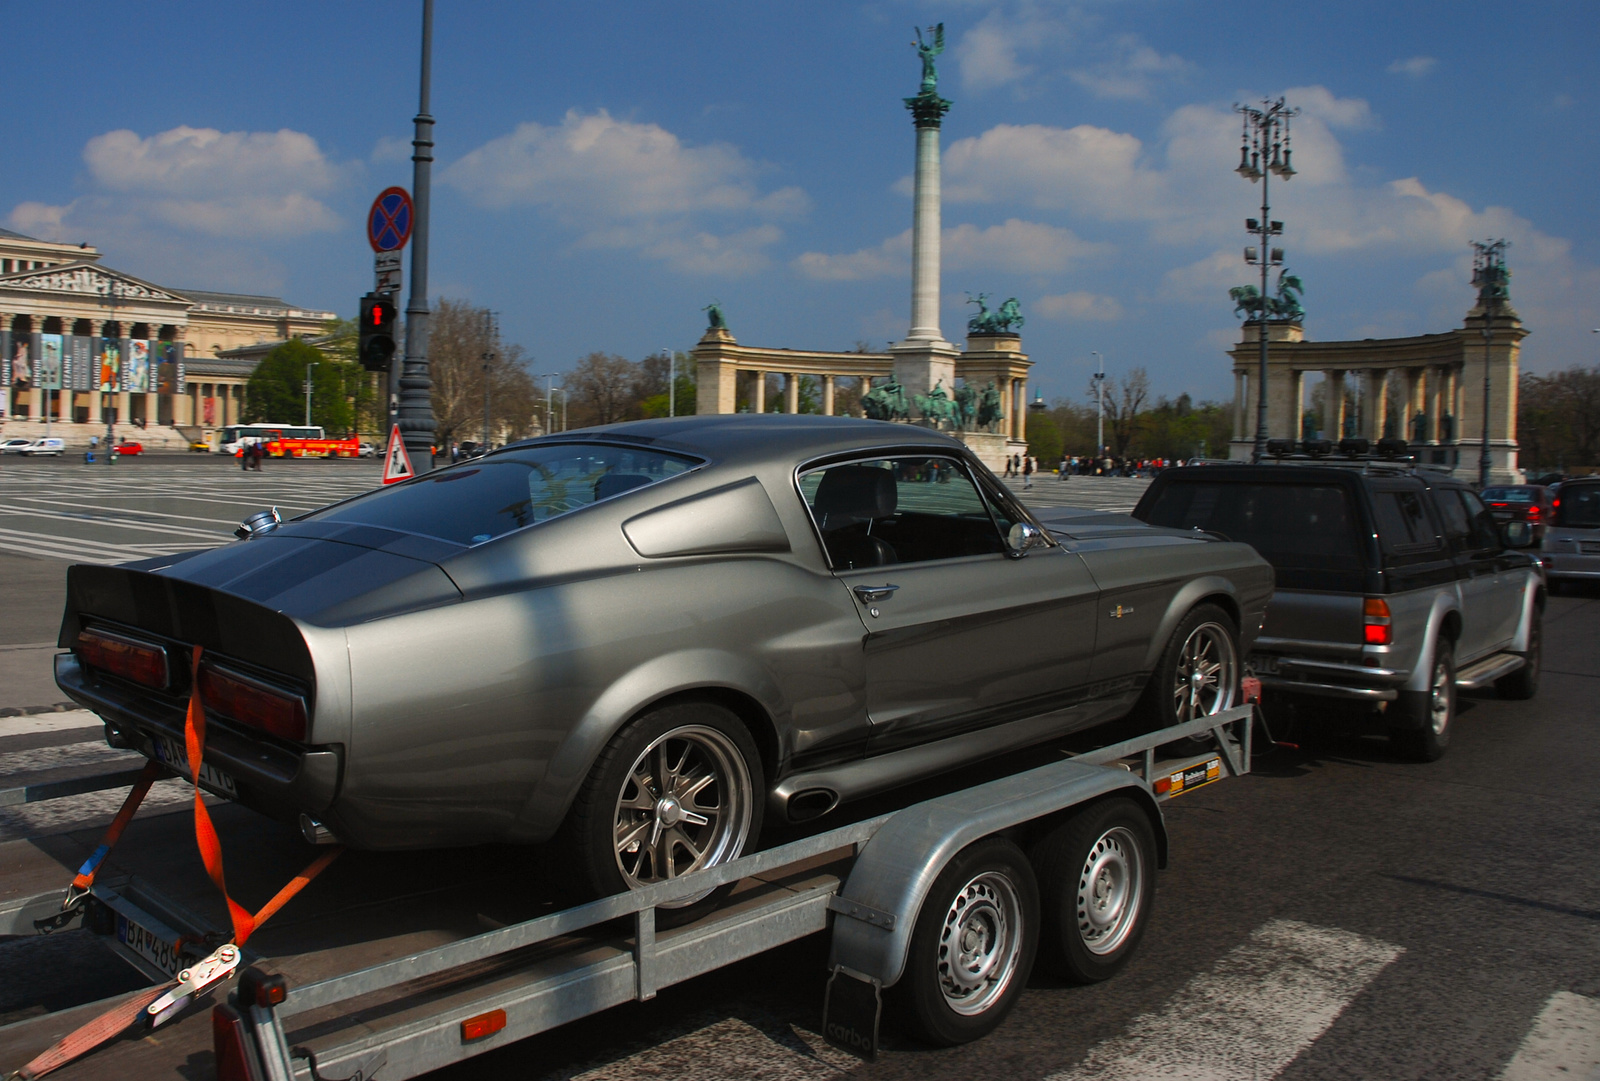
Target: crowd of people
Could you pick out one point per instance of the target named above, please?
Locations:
(1025, 466)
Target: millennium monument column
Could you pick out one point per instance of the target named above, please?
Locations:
(924, 359)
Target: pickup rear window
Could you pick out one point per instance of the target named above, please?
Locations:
(1306, 531)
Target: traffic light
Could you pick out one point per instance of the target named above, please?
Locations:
(377, 332)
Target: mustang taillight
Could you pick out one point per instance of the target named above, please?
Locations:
(1375, 617)
(142, 662)
(242, 699)
(1533, 512)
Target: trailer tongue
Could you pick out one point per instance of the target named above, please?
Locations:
(1001, 862)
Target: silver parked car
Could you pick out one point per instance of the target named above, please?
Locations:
(1571, 547)
(640, 639)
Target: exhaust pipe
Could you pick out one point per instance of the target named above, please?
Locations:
(315, 832)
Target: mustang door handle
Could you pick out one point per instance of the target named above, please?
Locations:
(874, 593)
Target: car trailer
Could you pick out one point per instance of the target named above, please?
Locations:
(940, 907)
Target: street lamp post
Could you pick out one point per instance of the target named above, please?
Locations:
(415, 406)
(1099, 404)
(549, 380)
(1264, 151)
(107, 409)
(309, 366)
(488, 360)
(1489, 275)
(672, 383)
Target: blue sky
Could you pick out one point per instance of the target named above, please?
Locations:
(605, 169)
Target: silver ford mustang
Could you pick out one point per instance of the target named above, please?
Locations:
(639, 640)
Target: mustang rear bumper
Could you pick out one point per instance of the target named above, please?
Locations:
(270, 778)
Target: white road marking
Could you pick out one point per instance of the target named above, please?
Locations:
(1563, 1043)
(32, 723)
(1261, 1005)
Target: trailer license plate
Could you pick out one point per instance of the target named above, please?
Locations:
(177, 757)
(1194, 776)
(147, 944)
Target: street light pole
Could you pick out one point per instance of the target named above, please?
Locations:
(416, 386)
(1489, 275)
(309, 366)
(549, 379)
(1099, 404)
(672, 383)
(488, 357)
(1264, 151)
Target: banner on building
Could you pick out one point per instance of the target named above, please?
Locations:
(82, 369)
(47, 375)
(178, 365)
(138, 365)
(110, 364)
(21, 370)
(209, 412)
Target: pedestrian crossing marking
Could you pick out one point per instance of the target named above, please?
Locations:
(1259, 1007)
(1563, 1043)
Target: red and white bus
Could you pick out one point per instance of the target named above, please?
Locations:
(288, 441)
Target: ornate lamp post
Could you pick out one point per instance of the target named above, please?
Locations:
(1264, 150)
(1489, 274)
(415, 408)
(309, 366)
(549, 382)
(1099, 381)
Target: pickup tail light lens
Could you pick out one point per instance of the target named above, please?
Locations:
(1533, 512)
(142, 662)
(242, 699)
(1376, 629)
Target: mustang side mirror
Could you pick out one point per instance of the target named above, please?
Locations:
(1024, 537)
(1516, 534)
(258, 524)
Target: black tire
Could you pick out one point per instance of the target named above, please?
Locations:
(1524, 682)
(972, 947)
(1422, 722)
(1165, 703)
(1096, 888)
(704, 739)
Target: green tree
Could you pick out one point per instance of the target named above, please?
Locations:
(1044, 439)
(276, 390)
(364, 390)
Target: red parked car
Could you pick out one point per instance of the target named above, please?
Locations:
(1531, 503)
(126, 447)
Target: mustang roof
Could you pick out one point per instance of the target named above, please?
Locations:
(748, 436)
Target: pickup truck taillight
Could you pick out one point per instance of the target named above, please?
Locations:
(142, 662)
(1375, 617)
(251, 703)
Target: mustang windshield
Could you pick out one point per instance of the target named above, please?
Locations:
(478, 501)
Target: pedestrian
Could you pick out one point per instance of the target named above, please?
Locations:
(1061, 473)
(257, 452)
(245, 454)
(1027, 472)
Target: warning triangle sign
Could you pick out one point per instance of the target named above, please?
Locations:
(396, 462)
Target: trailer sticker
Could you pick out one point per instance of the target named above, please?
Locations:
(1194, 776)
(144, 942)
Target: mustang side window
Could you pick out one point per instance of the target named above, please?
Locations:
(899, 510)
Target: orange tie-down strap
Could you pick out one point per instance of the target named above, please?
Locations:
(116, 1020)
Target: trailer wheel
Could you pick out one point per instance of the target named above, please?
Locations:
(972, 946)
(1097, 885)
(676, 791)
(1421, 726)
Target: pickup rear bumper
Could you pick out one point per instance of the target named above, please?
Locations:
(1330, 679)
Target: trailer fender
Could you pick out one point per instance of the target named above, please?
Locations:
(877, 908)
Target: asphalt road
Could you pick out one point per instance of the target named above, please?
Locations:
(1336, 914)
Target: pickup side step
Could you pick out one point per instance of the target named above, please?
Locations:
(1479, 675)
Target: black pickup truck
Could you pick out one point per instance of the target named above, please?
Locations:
(1394, 586)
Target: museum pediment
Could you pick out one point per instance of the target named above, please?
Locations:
(89, 279)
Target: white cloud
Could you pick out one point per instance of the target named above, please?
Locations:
(1416, 66)
(1132, 71)
(1336, 112)
(631, 185)
(390, 148)
(988, 54)
(1020, 246)
(243, 185)
(1085, 168)
(1083, 306)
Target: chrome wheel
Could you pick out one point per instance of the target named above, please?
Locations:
(980, 943)
(1110, 891)
(1440, 697)
(1207, 675)
(686, 805)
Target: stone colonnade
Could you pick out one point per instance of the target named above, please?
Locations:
(732, 377)
(1427, 390)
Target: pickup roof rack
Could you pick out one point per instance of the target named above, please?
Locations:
(331, 1008)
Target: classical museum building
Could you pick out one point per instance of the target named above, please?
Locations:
(77, 338)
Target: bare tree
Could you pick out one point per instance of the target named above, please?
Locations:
(1558, 418)
(1124, 404)
(603, 389)
(465, 352)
